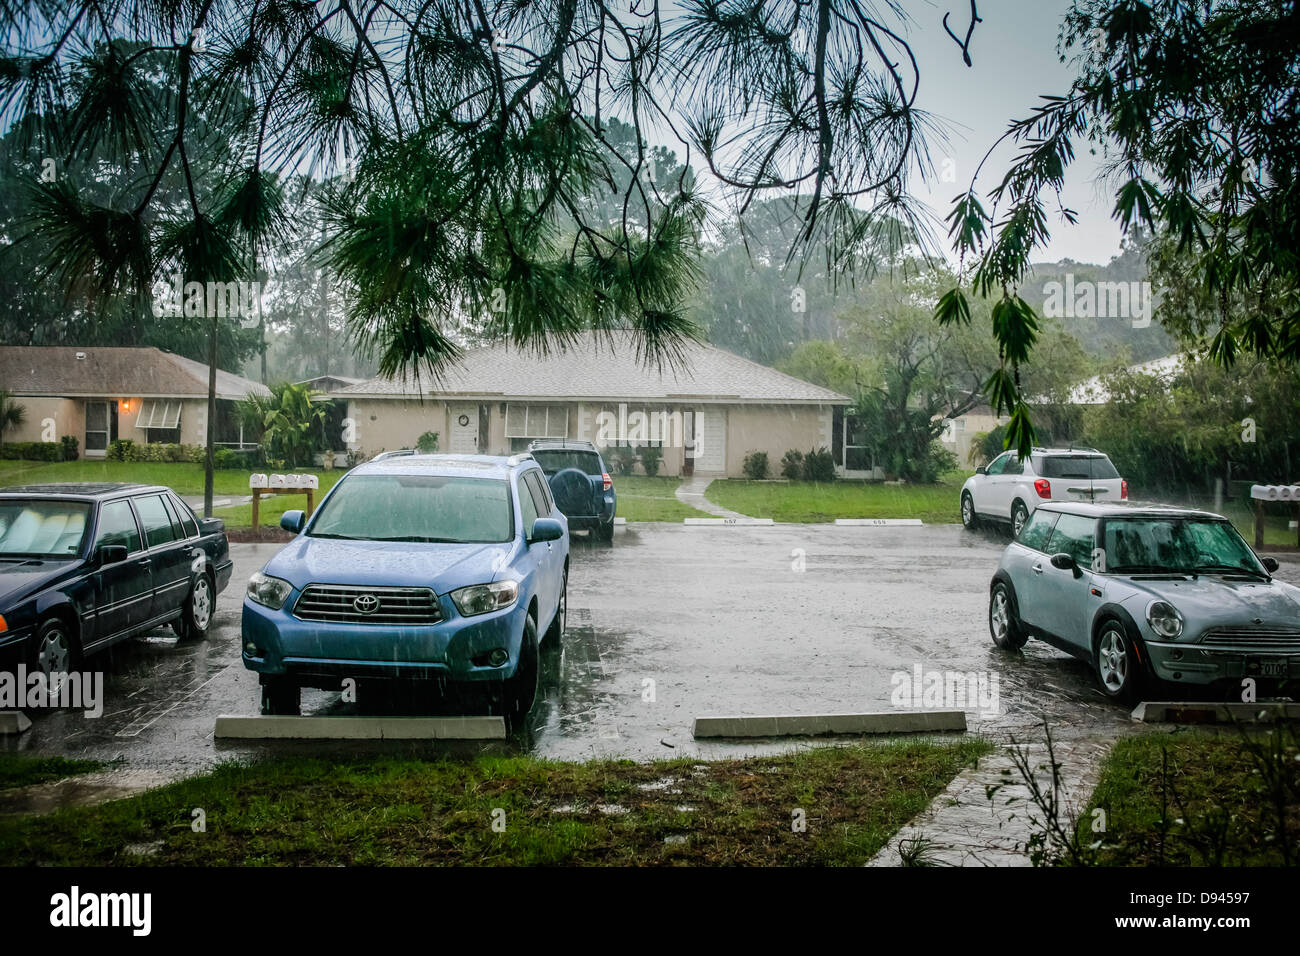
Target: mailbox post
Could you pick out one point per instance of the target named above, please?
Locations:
(271, 485)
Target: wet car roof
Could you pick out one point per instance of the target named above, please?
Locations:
(478, 466)
(80, 489)
(1089, 510)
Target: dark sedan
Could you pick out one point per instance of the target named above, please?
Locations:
(83, 566)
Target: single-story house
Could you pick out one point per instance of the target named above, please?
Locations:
(959, 432)
(101, 394)
(706, 414)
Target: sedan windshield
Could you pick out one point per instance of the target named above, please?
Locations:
(34, 528)
(416, 508)
(1186, 545)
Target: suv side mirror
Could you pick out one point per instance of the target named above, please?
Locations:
(546, 529)
(1270, 564)
(981, 470)
(110, 554)
(293, 521)
(1065, 562)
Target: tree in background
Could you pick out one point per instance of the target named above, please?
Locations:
(290, 423)
(12, 414)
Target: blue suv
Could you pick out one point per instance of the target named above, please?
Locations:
(445, 567)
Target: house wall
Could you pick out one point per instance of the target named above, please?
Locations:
(386, 424)
(49, 419)
(960, 435)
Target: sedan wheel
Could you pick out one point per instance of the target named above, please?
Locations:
(54, 650)
(196, 616)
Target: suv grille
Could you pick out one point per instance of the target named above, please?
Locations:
(362, 605)
(1281, 638)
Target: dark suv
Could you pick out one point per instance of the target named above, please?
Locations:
(580, 484)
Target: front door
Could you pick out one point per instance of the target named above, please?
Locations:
(124, 589)
(101, 428)
(711, 456)
(464, 429)
(1066, 596)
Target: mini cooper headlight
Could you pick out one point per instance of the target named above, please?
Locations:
(1164, 619)
(481, 598)
(268, 591)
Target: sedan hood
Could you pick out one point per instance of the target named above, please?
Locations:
(18, 580)
(1212, 601)
(443, 567)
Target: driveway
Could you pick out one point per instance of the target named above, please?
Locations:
(671, 623)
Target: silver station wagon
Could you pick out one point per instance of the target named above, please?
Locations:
(1154, 594)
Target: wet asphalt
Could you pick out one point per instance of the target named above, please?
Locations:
(671, 623)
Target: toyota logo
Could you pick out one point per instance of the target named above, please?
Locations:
(366, 604)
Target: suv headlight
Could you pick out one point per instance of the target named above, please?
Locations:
(268, 591)
(481, 598)
(1164, 619)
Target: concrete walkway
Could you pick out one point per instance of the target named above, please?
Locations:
(691, 492)
(965, 826)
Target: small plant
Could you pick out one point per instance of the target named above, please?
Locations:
(755, 466)
(624, 458)
(792, 465)
(69, 447)
(427, 443)
(354, 457)
(120, 449)
(819, 465)
(651, 458)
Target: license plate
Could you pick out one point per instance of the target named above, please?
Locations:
(1275, 668)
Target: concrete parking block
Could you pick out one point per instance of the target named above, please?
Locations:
(263, 727)
(729, 521)
(1201, 712)
(809, 725)
(879, 522)
(14, 722)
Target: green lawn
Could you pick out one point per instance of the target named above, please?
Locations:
(651, 499)
(802, 501)
(184, 478)
(21, 770)
(1198, 799)
(314, 812)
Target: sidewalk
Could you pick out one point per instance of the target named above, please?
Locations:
(963, 826)
(691, 492)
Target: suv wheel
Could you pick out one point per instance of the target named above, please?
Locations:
(1004, 622)
(281, 697)
(520, 691)
(1019, 515)
(969, 519)
(1118, 672)
(605, 532)
(555, 633)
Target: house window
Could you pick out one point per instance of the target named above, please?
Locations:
(537, 421)
(161, 421)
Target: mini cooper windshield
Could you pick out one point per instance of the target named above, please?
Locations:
(431, 508)
(1180, 545)
(37, 528)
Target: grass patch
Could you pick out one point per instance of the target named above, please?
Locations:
(185, 478)
(651, 499)
(21, 770)
(1199, 799)
(802, 501)
(411, 812)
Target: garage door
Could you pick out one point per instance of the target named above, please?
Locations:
(712, 457)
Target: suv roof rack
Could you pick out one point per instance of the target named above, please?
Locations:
(519, 459)
(563, 443)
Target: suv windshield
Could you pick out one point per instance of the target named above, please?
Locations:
(416, 508)
(1187, 545)
(1096, 467)
(554, 460)
(34, 528)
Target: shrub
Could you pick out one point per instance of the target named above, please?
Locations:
(69, 443)
(624, 459)
(120, 449)
(792, 465)
(227, 459)
(354, 457)
(651, 458)
(32, 450)
(756, 467)
(427, 443)
(819, 465)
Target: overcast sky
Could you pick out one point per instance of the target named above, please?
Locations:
(1014, 63)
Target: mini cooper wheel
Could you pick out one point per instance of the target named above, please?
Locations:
(1119, 674)
(196, 615)
(969, 520)
(1004, 624)
(1019, 515)
(55, 649)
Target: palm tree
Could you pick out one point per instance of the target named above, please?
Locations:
(290, 422)
(12, 415)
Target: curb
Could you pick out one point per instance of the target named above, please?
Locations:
(808, 725)
(262, 727)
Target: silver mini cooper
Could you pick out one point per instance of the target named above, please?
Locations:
(1146, 594)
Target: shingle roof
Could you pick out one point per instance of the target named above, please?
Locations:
(112, 372)
(606, 368)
